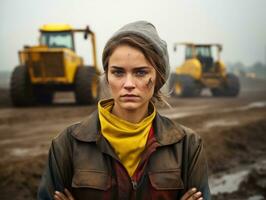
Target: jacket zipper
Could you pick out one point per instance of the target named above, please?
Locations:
(134, 184)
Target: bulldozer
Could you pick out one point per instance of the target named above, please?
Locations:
(200, 70)
(53, 66)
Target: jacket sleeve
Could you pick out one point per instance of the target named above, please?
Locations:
(58, 171)
(197, 170)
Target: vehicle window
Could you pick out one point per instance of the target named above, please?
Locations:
(203, 52)
(188, 53)
(57, 39)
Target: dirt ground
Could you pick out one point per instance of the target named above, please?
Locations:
(233, 131)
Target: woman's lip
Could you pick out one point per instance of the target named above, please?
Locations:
(129, 98)
(129, 95)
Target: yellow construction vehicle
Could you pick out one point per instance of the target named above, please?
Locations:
(53, 66)
(200, 71)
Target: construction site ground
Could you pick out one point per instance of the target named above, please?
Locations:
(233, 131)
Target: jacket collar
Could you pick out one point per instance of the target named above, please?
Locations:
(89, 129)
(165, 131)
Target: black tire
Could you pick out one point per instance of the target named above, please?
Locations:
(43, 95)
(188, 86)
(21, 90)
(218, 92)
(230, 88)
(86, 85)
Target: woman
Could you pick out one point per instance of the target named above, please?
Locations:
(125, 149)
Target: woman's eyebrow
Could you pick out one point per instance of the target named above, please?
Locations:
(135, 68)
(116, 67)
(141, 67)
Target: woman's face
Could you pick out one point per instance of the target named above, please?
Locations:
(131, 78)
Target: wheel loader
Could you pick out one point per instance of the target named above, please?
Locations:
(200, 71)
(52, 66)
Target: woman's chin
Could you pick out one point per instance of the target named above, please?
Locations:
(130, 105)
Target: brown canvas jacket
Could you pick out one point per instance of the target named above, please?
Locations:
(81, 160)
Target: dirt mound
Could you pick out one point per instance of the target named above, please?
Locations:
(236, 145)
(20, 180)
(254, 185)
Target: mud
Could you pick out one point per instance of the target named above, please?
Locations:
(233, 131)
(252, 186)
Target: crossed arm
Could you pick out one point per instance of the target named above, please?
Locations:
(192, 194)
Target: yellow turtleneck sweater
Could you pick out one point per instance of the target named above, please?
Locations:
(127, 139)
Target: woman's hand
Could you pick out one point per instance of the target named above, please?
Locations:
(192, 194)
(63, 196)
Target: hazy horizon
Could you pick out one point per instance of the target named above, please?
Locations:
(240, 27)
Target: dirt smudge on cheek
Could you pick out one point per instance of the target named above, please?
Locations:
(149, 83)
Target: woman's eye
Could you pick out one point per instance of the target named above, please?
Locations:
(117, 72)
(141, 73)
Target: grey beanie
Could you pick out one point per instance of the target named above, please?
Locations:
(148, 32)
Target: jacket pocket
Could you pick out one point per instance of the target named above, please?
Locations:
(166, 180)
(91, 179)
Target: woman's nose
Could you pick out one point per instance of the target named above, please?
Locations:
(129, 82)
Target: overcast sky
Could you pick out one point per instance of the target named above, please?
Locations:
(240, 25)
